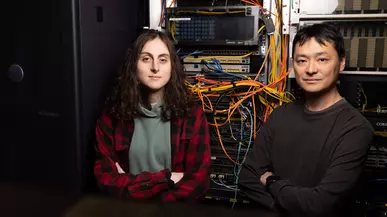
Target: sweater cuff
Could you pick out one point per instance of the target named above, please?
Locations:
(167, 178)
(276, 188)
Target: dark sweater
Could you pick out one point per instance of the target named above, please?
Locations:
(318, 155)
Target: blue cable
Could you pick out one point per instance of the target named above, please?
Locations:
(191, 54)
(223, 185)
(244, 158)
(218, 69)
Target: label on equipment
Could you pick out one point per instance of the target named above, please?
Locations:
(180, 18)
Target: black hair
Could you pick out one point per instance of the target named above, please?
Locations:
(322, 32)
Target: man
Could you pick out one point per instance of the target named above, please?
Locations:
(309, 154)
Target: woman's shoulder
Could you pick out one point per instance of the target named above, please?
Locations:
(105, 118)
(196, 111)
(111, 121)
(195, 116)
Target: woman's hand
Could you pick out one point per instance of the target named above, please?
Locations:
(120, 170)
(176, 177)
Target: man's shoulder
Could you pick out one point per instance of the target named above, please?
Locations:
(292, 105)
(284, 113)
(287, 108)
(354, 117)
(354, 127)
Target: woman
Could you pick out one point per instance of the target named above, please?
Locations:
(151, 142)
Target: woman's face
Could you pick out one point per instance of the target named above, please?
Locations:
(154, 65)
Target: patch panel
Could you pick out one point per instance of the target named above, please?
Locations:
(222, 59)
(226, 68)
(232, 26)
(222, 78)
(226, 178)
(360, 6)
(377, 157)
(220, 52)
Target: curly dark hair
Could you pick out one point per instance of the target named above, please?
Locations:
(128, 94)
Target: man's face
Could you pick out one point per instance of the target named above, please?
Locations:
(316, 66)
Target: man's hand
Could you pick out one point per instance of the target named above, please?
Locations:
(120, 170)
(264, 177)
(175, 177)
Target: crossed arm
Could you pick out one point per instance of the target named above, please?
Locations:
(340, 177)
(170, 186)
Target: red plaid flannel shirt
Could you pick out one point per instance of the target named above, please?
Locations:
(190, 146)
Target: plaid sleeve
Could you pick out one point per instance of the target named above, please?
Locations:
(143, 186)
(195, 181)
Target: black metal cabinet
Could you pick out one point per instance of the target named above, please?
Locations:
(68, 51)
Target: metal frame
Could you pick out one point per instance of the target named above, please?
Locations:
(154, 14)
(286, 16)
(363, 77)
(346, 17)
(378, 73)
(295, 12)
(297, 20)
